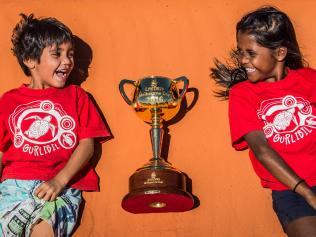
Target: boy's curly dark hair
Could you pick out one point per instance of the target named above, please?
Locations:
(31, 35)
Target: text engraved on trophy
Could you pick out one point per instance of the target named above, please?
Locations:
(153, 97)
(153, 179)
(153, 94)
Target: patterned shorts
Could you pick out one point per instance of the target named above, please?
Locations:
(20, 209)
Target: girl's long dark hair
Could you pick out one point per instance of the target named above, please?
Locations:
(271, 29)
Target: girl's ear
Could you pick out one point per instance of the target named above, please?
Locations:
(30, 63)
(281, 53)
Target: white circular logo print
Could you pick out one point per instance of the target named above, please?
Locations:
(42, 124)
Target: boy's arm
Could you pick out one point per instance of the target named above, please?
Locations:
(50, 189)
(1, 154)
(274, 163)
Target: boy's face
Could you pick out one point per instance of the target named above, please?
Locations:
(56, 63)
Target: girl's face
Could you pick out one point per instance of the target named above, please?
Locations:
(56, 63)
(261, 63)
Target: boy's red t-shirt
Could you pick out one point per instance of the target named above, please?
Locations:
(40, 129)
(286, 112)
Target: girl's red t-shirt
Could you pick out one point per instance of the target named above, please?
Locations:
(286, 112)
(40, 129)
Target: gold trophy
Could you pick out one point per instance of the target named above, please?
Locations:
(157, 186)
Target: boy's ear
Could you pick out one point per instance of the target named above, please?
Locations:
(30, 63)
(281, 53)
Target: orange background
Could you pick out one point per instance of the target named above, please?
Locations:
(136, 38)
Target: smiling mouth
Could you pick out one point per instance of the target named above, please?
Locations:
(62, 74)
(250, 70)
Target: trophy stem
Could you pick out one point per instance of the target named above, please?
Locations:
(156, 140)
(156, 135)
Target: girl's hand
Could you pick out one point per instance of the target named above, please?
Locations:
(49, 190)
(274, 163)
(308, 194)
(311, 200)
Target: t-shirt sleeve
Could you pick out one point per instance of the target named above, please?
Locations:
(91, 124)
(308, 73)
(5, 139)
(242, 118)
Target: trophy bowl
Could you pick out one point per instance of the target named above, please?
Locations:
(157, 186)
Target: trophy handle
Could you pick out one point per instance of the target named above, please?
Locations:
(185, 85)
(121, 88)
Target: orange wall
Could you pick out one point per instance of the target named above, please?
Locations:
(135, 38)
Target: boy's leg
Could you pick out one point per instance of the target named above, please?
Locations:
(42, 229)
(302, 227)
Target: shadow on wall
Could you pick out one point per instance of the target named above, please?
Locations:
(185, 107)
(83, 58)
(80, 73)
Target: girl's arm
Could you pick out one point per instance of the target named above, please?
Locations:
(49, 190)
(272, 161)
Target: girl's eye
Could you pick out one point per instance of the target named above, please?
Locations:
(252, 54)
(247, 54)
(238, 53)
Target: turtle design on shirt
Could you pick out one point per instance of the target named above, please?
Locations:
(283, 119)
(40, 127)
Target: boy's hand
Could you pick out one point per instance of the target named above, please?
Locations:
(49, 190)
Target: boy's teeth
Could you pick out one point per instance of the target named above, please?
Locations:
(61, 74)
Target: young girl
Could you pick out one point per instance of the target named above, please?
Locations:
(272, 110)
(47, 133)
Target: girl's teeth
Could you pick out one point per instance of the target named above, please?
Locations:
(250, 69)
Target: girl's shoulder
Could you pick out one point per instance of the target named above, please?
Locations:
(241, 87)
(307, 73)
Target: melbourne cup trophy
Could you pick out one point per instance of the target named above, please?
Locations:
(157, 186)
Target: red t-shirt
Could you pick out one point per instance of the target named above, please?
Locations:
(40, 129)
(285, 111)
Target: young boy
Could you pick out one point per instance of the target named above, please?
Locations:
(47, 134)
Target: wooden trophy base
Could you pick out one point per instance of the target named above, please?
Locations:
(153, 190)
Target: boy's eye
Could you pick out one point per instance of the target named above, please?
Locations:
(56, 53)
(71, 55)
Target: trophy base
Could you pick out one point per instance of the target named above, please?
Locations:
(157, 190)
(157, 201)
